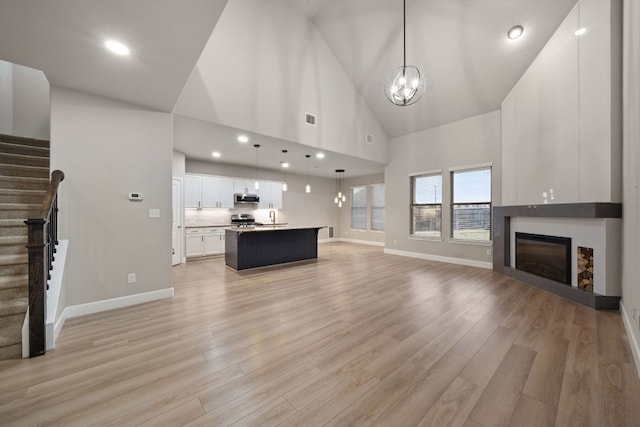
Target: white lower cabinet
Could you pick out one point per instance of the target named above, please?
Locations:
(204, 241)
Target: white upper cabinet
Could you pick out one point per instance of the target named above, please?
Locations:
(208, 192)
(192, 191)
(270, 195)
(217, 192)
(244, 186)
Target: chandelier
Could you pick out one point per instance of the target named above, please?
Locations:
(405, 85)
(340, 197)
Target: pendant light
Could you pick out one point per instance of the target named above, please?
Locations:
(256, 184)
(284, 166)
(340, 196)
(307, 189)
(406, 85)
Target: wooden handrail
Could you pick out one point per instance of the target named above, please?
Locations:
(42, 238)
(57, 176)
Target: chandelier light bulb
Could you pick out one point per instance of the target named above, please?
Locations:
(256, 185)
(344, 199)
(284, 186)
(340, 204)
(335, 200)
(307, 189)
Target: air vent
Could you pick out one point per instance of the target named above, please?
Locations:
(369, 138)
(310, 119)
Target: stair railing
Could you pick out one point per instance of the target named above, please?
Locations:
(41, 244)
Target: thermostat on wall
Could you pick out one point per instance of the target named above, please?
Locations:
(135, 196)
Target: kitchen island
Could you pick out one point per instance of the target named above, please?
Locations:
(250, 247)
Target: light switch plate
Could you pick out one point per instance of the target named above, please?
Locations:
(154, 213)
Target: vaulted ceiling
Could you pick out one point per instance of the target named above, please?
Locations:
(460, 45)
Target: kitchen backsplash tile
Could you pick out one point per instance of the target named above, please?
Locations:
(207, 217)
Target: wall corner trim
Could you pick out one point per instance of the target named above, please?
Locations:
(113, 303)
(633, 343)
(438, 258)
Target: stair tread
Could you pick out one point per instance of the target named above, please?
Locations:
(13, 240)
(14, 259)
(17, 305)
(13, 178)
(14, 281)
(20, 206)
(17, 191)
(11, 222)
(31, 142)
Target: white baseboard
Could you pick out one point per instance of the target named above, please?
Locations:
(450, 260)
(361, 242)
(633, 343)
(113, 303)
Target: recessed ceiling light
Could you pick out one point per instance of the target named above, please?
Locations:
(320, 155)
(216, 154)
(117, 47)
(515, 32)
(580, 31)
(243, 138)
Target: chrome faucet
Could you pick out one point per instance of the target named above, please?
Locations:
(272, 217)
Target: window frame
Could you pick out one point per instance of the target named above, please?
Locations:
(413, 205)
(366, 208)
(452, 205)
(372, 207)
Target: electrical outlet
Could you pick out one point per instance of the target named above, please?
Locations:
(154, 213)
(635, 313)
(131, 278)
(489, 251)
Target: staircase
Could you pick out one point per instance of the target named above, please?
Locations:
(24, 178)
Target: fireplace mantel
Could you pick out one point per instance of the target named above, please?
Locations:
(502, 246)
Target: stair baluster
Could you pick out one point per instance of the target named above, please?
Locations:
(42, 239)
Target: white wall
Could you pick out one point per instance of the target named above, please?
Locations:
(264, 67)
(561, 122)
(472, 141)
(178, 164)
(106, 150)
(298, 208)
(631, 167)
(24, 101)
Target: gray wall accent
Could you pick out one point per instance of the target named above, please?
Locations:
(6, 98)
(30, 103)
(631, 168)
(106, 150)
(24, 101)
(468, 142)
(178, 164)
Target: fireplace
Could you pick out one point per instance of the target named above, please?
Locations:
(545, 256)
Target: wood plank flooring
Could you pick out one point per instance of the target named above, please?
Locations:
(356, 338)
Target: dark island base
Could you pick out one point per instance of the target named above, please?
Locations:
(245, 250)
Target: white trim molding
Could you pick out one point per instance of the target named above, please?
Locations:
(633, 343)
(113, 303)
(438, 258)
(362, 242)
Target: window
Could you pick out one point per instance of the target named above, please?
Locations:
(377, 207)
(359, 207)
(426, 205)
(471, 207)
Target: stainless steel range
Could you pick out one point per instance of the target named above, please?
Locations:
(243, 220)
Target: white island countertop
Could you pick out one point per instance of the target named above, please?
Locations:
(260, 228)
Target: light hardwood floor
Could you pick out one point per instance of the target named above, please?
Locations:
(356, 338)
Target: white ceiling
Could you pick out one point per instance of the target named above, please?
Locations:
(460, 45)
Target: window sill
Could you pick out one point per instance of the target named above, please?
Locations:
(427, 238)
(471, 242)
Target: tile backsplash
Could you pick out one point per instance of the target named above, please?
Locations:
(209, 217)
